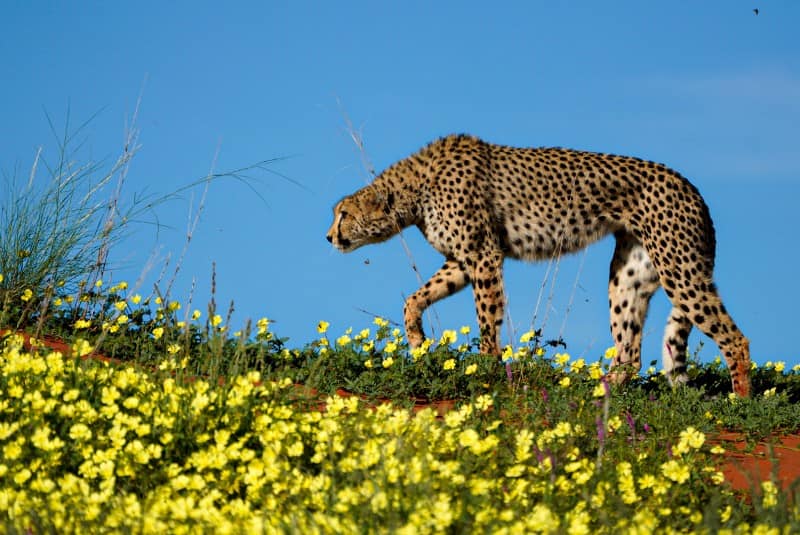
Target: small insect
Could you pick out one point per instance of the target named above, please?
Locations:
(755, 11)
(366, 261)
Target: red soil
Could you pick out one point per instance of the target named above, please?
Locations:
(745, 470)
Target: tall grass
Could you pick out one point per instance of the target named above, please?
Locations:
(59, 224)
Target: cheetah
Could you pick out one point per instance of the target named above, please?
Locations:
(478, 203)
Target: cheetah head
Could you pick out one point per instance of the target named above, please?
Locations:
(362, 218)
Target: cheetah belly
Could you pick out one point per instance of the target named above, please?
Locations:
(537, 240)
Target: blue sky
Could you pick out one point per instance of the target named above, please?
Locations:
(709, 88)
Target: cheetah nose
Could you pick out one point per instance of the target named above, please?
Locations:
(329, 238)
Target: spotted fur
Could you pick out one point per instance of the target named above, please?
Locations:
(478, 203)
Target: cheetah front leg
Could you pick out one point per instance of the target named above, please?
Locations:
(486, 273)
(449, 279)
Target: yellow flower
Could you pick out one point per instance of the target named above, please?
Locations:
(380, 322)
(611, 353)
(448, 337)
(1, 277)
(216, 320)
(508, 352)
(368, 363)
(82, 324)
(780, 366)
(158, 332)
(543, 520)
(120, 305)
(693, 437)
(174, 305)
(322, 326)
(770, 494)
(676, 471)
(527, 337)
(725, 514)
(599, 391)
(343, 340)
(561, 358)
(465, 330)
(595, 371)
(614, 423)
(472, 368)
(387, 363)
(173, 348)
(391, 347)
(565, 381)
(22, 476)
(98, 283)
(26, 295)
(449, 364)
(483, 402)
(577, 365)
(136, 299)
(80, 432)
(122, 319)
(196, 314)
(81, 347)
(362, 335)
(262, 325)
(418, 352)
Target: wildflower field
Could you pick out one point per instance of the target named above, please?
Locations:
(188, 425)
(130, 413)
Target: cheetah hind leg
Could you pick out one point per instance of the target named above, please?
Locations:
(449, 279)
(633, 280)
(710, 317)
(676, 338)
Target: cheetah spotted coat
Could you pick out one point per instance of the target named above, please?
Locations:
(478, 203)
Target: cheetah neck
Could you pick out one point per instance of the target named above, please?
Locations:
(400, 187)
